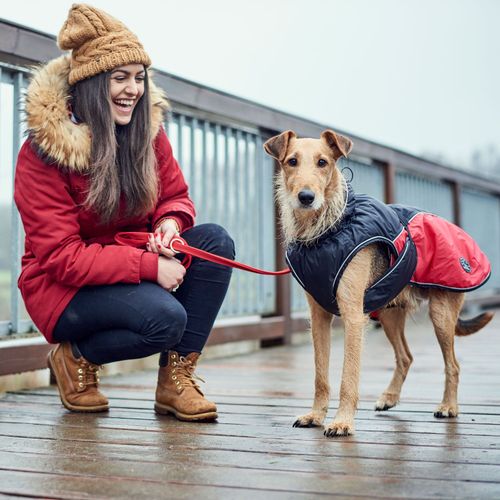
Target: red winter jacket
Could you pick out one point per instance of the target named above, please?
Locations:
(65, 247)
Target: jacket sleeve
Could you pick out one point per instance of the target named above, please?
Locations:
(50, 219)
(174, 200)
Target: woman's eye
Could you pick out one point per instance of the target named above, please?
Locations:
(292, 162)
(321, 162)
(139, 79)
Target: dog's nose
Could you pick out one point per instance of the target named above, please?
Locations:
(306, 197)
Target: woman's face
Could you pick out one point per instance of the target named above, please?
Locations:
(126, 87)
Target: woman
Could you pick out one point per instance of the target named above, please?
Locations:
(97, 162)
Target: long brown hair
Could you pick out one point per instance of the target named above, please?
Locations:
(122, 157)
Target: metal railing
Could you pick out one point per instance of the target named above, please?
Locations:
(13, 315)
(217, 139)
(230, 181)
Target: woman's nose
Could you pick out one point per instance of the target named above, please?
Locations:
(131, 88)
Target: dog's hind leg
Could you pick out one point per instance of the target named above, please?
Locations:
(393, 322)
(444, 308)
(320, 324)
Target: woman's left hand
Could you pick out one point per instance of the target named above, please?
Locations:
(160, 241)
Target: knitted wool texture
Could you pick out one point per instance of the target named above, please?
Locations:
(98, 43)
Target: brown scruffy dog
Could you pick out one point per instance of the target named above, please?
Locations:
(309, 166)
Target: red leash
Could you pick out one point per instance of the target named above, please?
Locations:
(179, 245)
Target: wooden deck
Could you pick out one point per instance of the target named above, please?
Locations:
(253, 451)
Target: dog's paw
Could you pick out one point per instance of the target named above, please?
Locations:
(342, 428)
(309, 420)
(446, 411)
(386, 401)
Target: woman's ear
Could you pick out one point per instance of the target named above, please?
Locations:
(340, 145)
(277, 146)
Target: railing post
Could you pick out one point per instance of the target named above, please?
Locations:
(456, 192)
(283, 284)
(389, 182)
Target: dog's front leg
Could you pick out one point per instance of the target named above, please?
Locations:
(350, 299)
(320, 324)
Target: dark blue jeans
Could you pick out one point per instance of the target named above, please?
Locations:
(115, 322)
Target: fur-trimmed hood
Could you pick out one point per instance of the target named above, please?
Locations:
(50, 126)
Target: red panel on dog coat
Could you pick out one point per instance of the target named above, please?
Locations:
(447, 256)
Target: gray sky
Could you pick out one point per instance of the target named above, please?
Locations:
(417, 75)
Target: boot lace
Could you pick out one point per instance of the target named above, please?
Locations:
(88, 374)
(184, 373)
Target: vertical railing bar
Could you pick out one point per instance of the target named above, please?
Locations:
(241, 218)
(226, 179)
(15, 220)
(225, 204)
(166, 123)
(266, 220)
(260, 229)
(245, 216)
(192, 160)
(215, 177)
(236, 216)
(260, 213)
(174, 125)
(180, 146)
(204, 171)
(250, 210)
(227, 215)
(9, 323)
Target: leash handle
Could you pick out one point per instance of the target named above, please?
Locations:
(179, 245)
(139, 240)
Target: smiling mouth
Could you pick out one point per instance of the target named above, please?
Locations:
(124, 105)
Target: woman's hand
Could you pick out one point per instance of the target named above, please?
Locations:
(170, 273)
(160, 241)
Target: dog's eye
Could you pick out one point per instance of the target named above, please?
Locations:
(292, 162)
(321, 162)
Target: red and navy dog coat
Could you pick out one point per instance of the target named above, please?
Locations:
(425, 251)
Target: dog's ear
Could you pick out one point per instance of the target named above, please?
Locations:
(278, 145)
(340, 145)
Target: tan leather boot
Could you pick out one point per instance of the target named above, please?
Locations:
(178, 393)
(77, 380)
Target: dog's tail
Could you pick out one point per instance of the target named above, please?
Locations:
(470, 326)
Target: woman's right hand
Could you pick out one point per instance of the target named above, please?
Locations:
(170, 273)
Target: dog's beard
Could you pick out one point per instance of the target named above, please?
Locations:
(323, 214)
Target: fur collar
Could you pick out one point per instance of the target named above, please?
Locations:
(48, 122)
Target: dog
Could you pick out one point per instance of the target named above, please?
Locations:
(312, 197)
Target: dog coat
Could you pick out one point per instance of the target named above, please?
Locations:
(424, 250)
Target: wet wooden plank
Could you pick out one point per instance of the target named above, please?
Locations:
(74, 486)
(311, 443)
(453, 434)
(338, 461)
(230, 422)
(171, 471)
(124, 399)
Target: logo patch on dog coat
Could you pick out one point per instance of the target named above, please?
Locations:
(465, 265)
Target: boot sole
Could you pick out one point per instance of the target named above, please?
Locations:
(67, 405)
(165, 410)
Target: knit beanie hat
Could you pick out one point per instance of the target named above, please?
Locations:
(98, 42)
